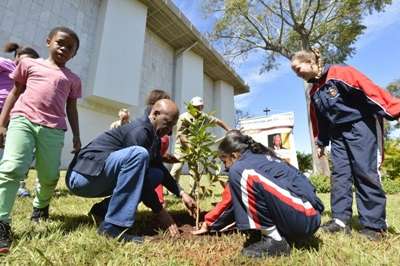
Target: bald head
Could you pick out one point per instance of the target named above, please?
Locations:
(163, 116)
(166, 106)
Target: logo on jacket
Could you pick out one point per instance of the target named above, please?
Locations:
(333, 91)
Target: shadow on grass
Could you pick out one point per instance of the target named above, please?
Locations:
(69, 223)
(63, 224)
(312, 243)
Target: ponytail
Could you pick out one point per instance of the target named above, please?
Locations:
(318, 61)
(12, 47)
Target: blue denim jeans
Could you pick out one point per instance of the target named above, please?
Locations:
(122, 178)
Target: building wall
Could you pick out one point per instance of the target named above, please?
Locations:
(189, 75)
(157, 67)
(208, 85)
(118, 53)
(28, 22)
(224, 104)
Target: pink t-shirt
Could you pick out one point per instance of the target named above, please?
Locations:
(47, 89)
(6, 67)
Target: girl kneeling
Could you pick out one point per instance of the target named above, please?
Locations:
(264, 194)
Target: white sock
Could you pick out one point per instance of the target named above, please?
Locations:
(272, 232)
(339, 222)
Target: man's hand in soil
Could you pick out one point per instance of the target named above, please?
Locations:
(203, 229)
(166, 221)
(189, 202)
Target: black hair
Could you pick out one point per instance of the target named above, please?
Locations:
(235, 141)
(20, 50)
(67, 31)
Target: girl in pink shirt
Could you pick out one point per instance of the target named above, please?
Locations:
(7, 66)
(43, 90)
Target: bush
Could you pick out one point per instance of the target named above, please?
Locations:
(322, 183)
(391, 186)
(391, 163)
(305, 161)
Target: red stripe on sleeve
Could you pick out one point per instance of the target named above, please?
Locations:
(219, 209)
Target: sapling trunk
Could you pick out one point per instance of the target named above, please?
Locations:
(197, 210)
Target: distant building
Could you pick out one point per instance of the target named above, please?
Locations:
(274, 131)
(128, 47)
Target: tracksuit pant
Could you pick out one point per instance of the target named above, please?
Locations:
(354, 151)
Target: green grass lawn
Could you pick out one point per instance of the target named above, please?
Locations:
(70, 238)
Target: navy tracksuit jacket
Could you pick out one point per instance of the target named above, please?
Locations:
(346, 111)
(265, 192)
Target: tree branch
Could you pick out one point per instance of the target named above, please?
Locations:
(314, 16)
(275, 13)
(255, 27)
(306, 12)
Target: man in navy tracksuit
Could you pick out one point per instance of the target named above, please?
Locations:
(264, 194)
(347, 110)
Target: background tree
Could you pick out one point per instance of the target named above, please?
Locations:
(305, 161)
(394, 89)
(240, 114)
(199, 155)
(278, 28)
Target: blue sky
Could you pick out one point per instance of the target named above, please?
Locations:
(377, 56)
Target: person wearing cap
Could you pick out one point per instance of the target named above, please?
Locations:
(181, 139)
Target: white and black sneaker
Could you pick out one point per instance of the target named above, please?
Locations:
(336, 226)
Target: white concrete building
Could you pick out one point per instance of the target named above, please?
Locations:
(128, 47)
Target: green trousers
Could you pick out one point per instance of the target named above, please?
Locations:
(23, 138)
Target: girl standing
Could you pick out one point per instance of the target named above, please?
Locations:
(43, 90)
(346, 108)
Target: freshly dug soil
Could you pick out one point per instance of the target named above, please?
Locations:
(184, 221)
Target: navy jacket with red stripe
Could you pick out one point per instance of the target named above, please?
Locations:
(344, 95)
(280, 173)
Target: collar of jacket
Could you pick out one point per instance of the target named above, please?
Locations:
(317, 83)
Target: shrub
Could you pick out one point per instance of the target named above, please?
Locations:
(305, 161)
(391, 163)
(391, 186)
(322, 183)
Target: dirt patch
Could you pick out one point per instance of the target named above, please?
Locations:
(148, 226)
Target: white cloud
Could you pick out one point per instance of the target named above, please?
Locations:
(258, 83)
(377, 22)
(254, 78)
